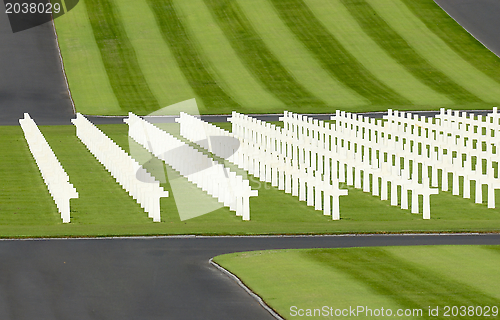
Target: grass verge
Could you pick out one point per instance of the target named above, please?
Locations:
(406, 278)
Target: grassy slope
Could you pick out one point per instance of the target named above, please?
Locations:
(223, 59)
(433, 49)
(192, 63)
(389, 277)
(119, 58)
(337, 19)
(266, 56)
(164, 77)
(400, 51)
(333, 55)
(295, 57)
(83, 64)
(103, 208)
(257, 56)
(447, 30)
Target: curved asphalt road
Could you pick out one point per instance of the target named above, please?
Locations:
(481, 18)
(151, 278)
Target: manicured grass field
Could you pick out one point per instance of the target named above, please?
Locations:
(393, 278)
(266, 56)
(104, 208)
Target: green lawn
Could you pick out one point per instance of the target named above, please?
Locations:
(392, 278)
(104, 208)
(266, 56)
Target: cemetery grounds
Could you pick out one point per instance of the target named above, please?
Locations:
(171, 57)
(164, 63)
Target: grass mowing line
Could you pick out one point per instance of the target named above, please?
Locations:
(399, 50)
(119, 58)
(450, 32)
(257, 57)
(338, 21)
(296, 57)
(471, 259)
(433, 49)
(192, 63)
(158, 65)
(241, 83)
(388, 275)
(412, 277)
(83, 64)
(332, 54)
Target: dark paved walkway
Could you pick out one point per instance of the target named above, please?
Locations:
(480, 17)
(150, 278)
(30, 76)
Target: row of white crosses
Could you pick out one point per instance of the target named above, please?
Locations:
(353, 145)
(260, 148)
(455, 141)
(128, 173)
(53, 174)
(212, 177)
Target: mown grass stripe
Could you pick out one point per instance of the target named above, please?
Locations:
(257, 57)
(119, 58)
(238, 80)
(191, 62)
(373, 25)
(333, 56)
(335, 17)
(165, 79)
(83, 64)
(387, 274)
(450, 32)
(477, 267)
(296, 58)
(430, 47)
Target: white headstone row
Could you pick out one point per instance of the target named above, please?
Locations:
(207, 174)
(271, 156)
(456, 142)
(208, 136)
(264, 162)
(453, 129)
(128, 173)
(53, 174)
(355, 146)
(452, 118)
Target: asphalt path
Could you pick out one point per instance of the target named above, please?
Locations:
(31, 78)
(481, 18)
(152, 278)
